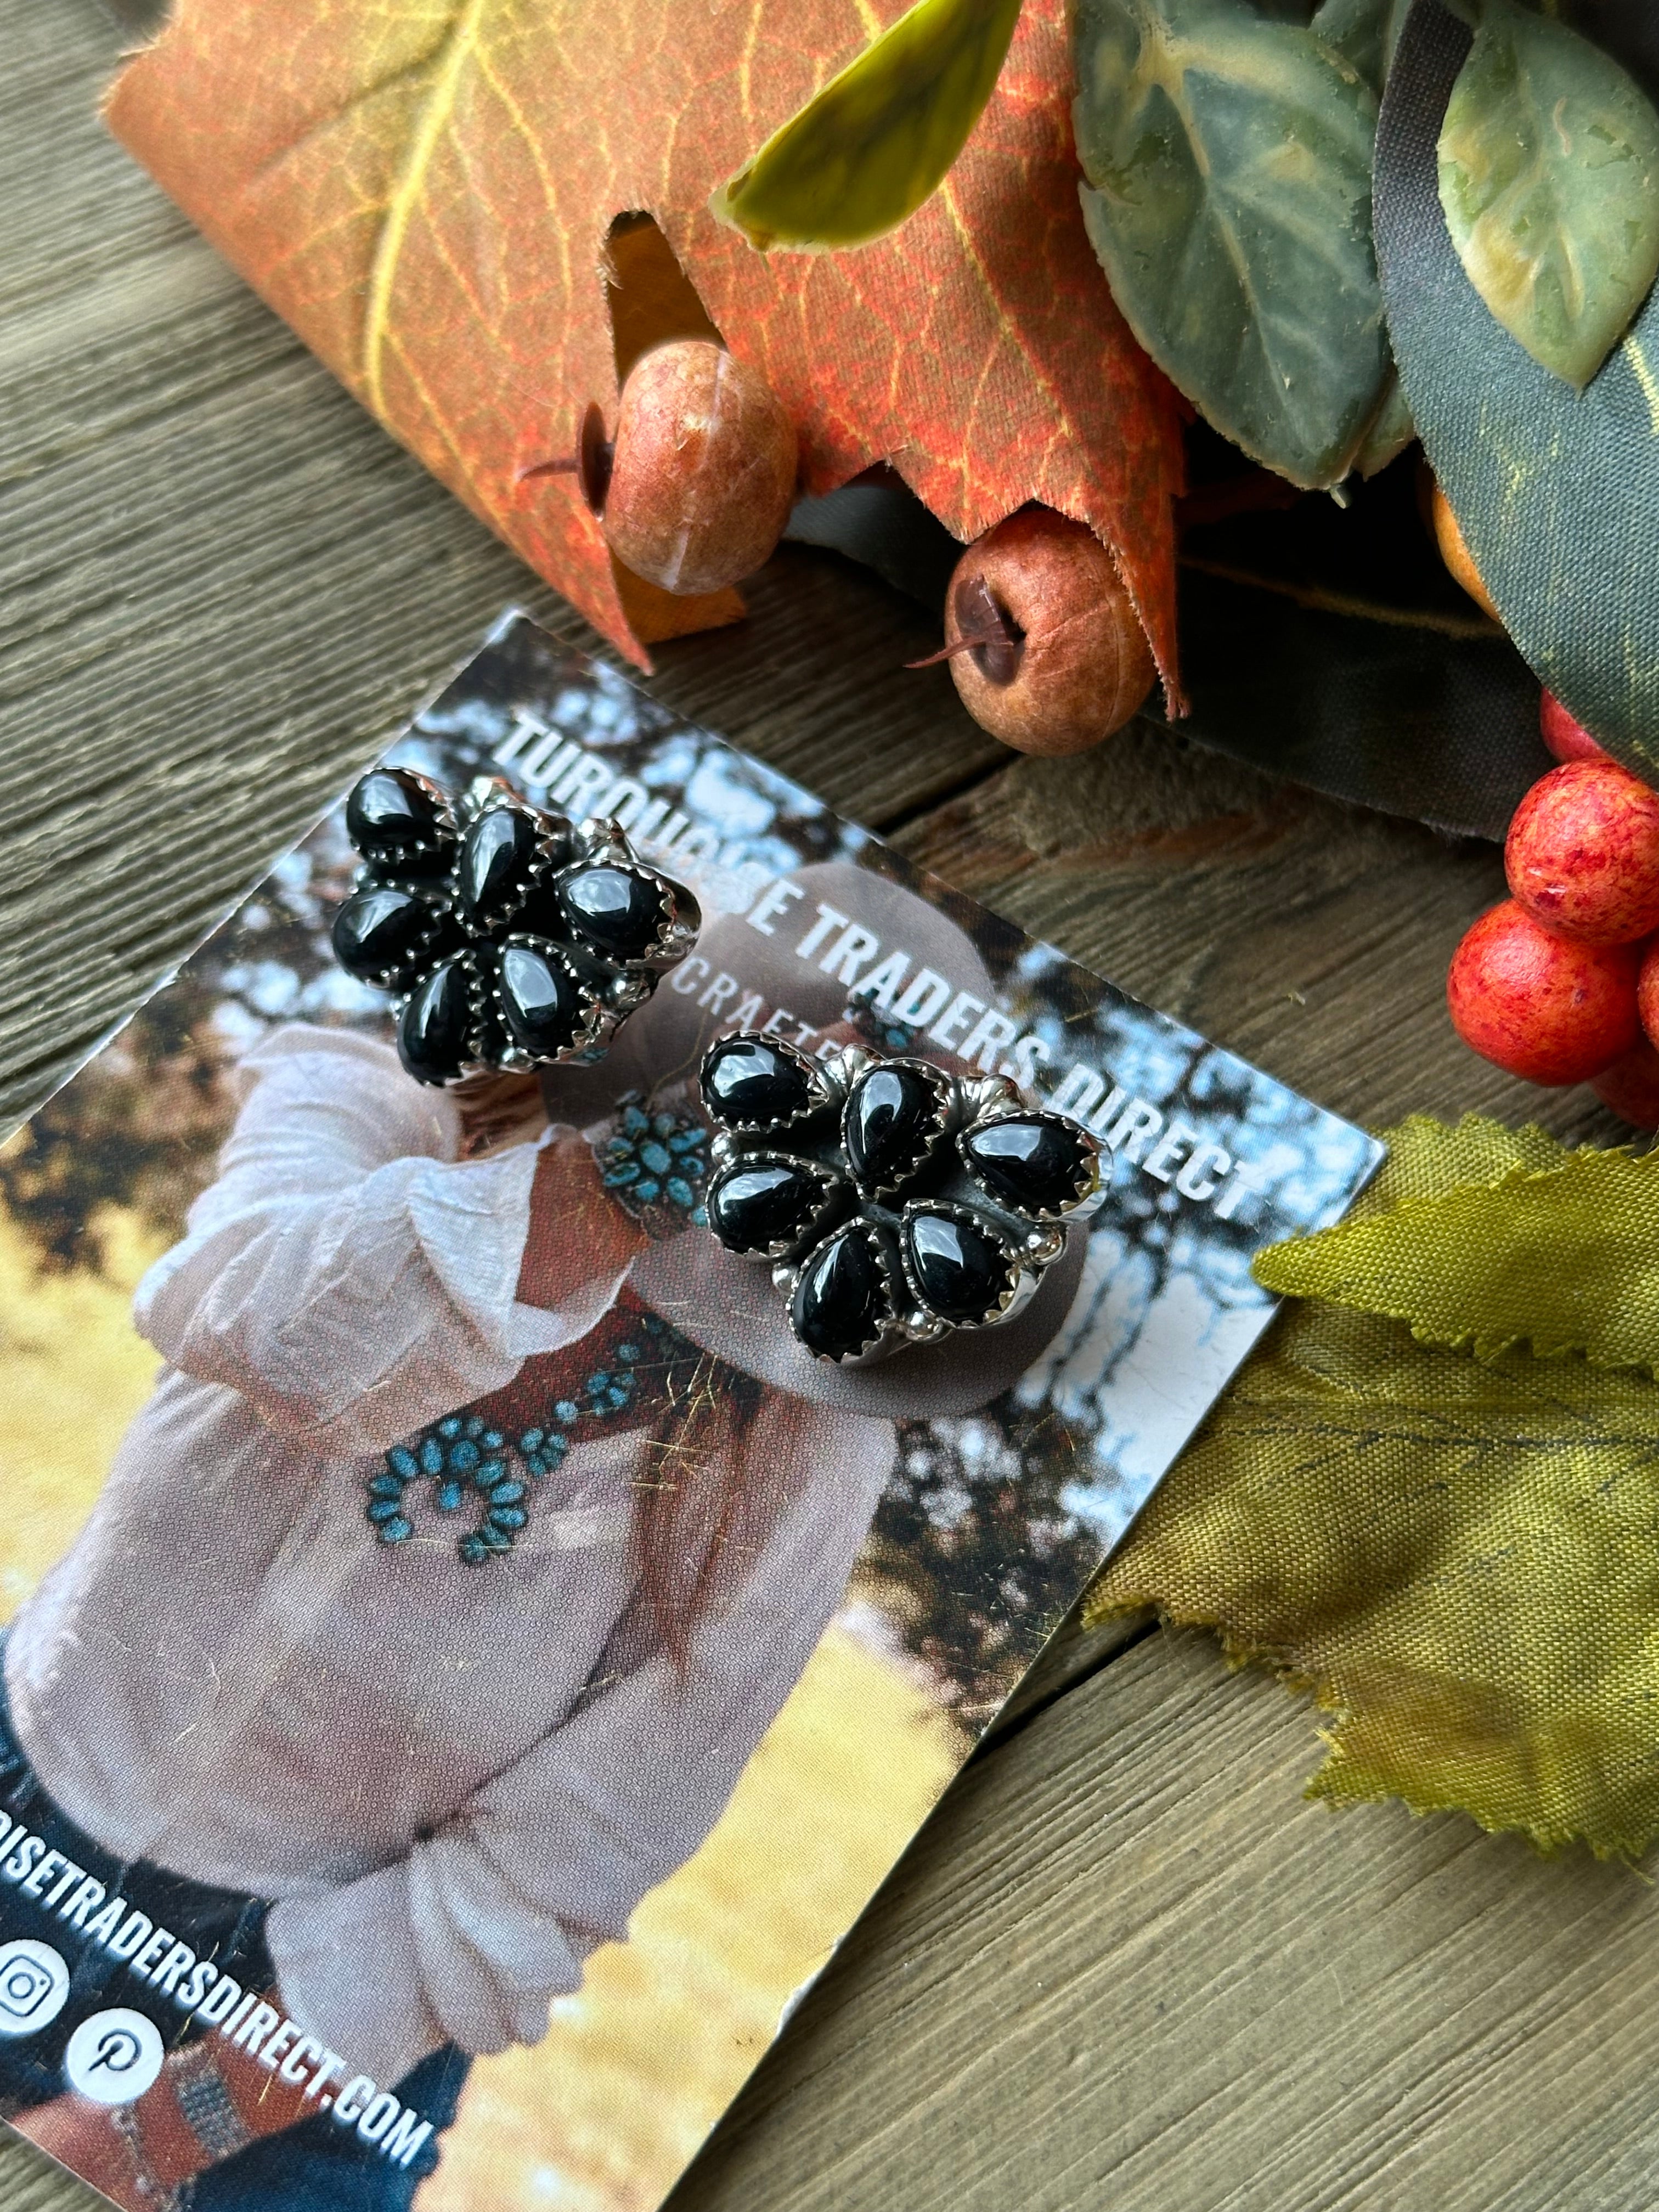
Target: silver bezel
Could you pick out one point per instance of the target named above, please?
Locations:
(605, 844)
(550, 833)
(1094, 1188)
(834, 1192)
(822, 1091)
(946, 1095)
(922, 1324)
(787, 1273)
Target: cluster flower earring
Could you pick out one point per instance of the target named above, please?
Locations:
(896, 1203)
(511, 938)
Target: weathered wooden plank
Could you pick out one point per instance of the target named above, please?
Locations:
(1127, 1964)
(1311, 937)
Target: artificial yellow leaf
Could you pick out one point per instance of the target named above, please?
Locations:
(863, 154)
(1565, 1260)
(1460, 1560)
(1426, 1156)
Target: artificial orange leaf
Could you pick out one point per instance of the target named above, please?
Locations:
(427, 192)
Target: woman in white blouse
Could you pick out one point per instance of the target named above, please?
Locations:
(406, 1797)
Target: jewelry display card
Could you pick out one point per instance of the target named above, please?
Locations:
(467, 1663)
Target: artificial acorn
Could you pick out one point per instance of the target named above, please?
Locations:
(1454, 552)
(695, 489)
(1043, 640)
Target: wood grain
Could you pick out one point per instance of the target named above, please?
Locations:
(1310, 936)
(1127, 1965)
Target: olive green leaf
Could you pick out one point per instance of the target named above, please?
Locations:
(1562, 1260)
(865, 153)
(1549, 176)
(1365, 32)
(1229, 165)
(1426, 1157)
(1458, 1558)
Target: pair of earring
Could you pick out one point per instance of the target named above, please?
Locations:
(895, 1203)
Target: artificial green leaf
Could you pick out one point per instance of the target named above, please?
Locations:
(1458, 1560)
(1563, 1261)
(1426, 1158)
(1365, 32)
(1229, 162)
(867, 151)
(1391, 431)
(1549, 176)
(1557, 491)
(1456, 1557)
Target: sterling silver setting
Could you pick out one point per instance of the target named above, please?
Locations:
(897, 1204)
(510, 938)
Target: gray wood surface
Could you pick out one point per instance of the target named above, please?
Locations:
(1127, 1965)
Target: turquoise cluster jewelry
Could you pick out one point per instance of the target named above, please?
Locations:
(655, 1166)
(463, 1453)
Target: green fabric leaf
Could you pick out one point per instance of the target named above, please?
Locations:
(1366, 32)
(1548, 163)
(1557, 491)
(865, 153)
(1427, 1158)
(1458, 1558)
(1565, 1261)
(1229, 162)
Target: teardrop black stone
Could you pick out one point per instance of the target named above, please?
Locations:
(1035, 1163)
(395, 815)
(541, 1000)
(748, 1083)
(892, 1115)
(961, 1271)
(385, 935)
(618, 911)
(755, 1205)
(840, 1300)
(432, 1035)
(498, 856)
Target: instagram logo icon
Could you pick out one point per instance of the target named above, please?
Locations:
(34, 1981)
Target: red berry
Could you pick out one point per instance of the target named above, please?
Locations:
(1630, 1087)
(1582, 852)
(1567, 739)
(1542, 1007)
(1045, 645)
(702, 474)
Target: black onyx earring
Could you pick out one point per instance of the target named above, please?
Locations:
(896, 1203)
(511, 938)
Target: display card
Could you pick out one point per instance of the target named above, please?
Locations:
(467, 1664)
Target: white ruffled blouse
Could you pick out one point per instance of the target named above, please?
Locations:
(455, 1782)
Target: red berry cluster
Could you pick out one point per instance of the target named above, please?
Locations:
(1560, 983)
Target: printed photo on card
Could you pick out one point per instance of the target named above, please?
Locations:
(465, 1664)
